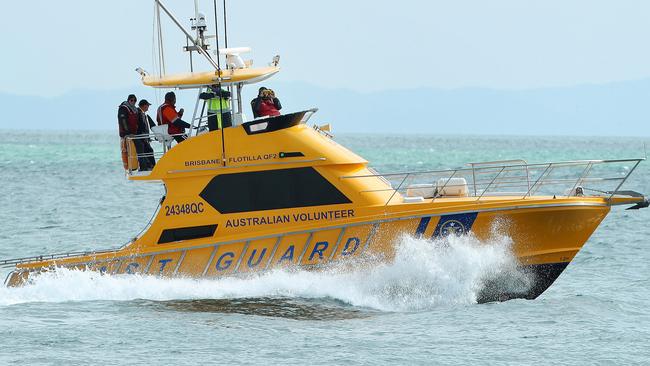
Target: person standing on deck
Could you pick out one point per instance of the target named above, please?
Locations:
(219, 112)
(127, 117)
(167, 115)
(145, 151)
(127, 121)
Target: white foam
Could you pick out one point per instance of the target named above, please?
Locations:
(424, 274)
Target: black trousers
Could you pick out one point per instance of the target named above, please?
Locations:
(213, 121)
(146, 160)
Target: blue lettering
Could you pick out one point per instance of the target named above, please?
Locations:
(347, 250)
(318, 248)
(250, 259)
(131, 267)
(288, 255)
(226, 263)
(163, 263)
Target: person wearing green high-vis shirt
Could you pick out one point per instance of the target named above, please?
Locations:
(219, 111)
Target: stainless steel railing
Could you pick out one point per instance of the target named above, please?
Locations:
(514, 178)
(14, 261)
(159, 143)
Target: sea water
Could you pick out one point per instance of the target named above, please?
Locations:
(66, 192)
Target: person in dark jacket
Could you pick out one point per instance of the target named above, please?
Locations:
(127, 122)
(127, 117)
(266, 103)
(146, 159)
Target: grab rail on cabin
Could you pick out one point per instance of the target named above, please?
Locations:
(499, 178)
(39, 258)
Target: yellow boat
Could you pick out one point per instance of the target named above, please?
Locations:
(276, 193)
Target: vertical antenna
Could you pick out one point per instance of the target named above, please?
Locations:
(161, 55)
(225, 40)
(196, 19)
(216, 30)
(225, 26)
(196, 15)
(154, 46)
(216, 37)
(187, 45)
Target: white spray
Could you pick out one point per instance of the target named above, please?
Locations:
(423, 275)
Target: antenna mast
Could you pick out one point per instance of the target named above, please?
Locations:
(216, 30)
(197, 44)
(161, 52)
(225, 26)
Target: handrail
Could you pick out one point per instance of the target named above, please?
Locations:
(149, 137)
(560, 163)
(309, 113)
(489, 185)
(609, 199)
(525, 179)
(39, 258)
(499, 162)
(546, 182)
(396, 189)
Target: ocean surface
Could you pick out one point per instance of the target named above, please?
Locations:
(66, 191)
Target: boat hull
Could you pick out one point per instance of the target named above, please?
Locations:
(541, 277)
(544, 240)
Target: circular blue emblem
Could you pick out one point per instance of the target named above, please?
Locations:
(454, 227)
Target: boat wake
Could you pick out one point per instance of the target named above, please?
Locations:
(424, 274)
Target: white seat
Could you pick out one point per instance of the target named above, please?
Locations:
(452, 187)
(421, 190)
(161, 134)
(417, 199)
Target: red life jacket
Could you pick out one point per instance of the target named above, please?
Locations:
(164, 117)
(267, 108)
(131, 121)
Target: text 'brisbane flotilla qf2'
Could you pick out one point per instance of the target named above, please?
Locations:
(249, 194)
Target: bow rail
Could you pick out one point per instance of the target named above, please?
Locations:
(514, 178)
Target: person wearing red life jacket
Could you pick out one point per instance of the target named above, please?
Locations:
(127, 117)
(167, 115)
(266, 104)
(127, 121)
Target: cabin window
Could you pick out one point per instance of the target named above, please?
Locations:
(187, 233)
(271, 190)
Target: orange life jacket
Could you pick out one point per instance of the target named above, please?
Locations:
(163, 118)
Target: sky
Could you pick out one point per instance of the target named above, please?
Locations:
(55, 47)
